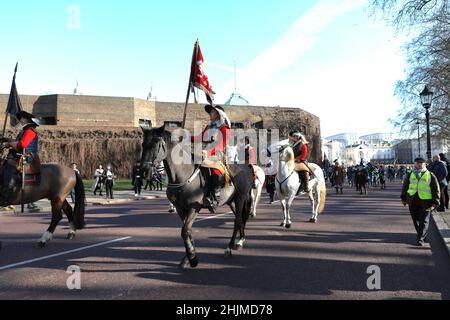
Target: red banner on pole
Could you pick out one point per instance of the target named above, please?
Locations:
(199, 79)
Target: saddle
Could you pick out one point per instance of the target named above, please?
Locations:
(32, 171)
(215, 163)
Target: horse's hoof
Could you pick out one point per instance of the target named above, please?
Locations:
(288, 226)
(252, 216)
(228, 253)
(71, 236)
(283, 225)
(41, 244)
(184, 263)
(239, 245)
(193, 262)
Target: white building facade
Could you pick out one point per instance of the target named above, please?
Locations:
(351, 148)
(437, 146)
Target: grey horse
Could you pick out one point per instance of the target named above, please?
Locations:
(186, 190)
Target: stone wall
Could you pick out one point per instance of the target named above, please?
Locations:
(90, 147)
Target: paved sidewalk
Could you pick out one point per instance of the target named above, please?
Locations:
(442, 220)
(91, 200)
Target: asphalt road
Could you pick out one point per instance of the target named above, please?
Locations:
(132, 251)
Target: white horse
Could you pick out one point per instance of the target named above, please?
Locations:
(287, 184)
(233, 157)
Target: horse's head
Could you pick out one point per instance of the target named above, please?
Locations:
(286, 153)
(155, 146)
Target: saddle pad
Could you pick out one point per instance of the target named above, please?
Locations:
(210, 164)
(218, 165)
(33, 179)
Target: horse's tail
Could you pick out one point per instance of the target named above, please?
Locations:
(80, 203)
(323, 195)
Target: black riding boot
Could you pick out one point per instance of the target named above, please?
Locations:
(216, 185)
(213, 195)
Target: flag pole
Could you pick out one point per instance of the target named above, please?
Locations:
(7, 113)
(194, 56)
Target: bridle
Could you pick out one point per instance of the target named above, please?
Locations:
(162, 149)
(282, 148)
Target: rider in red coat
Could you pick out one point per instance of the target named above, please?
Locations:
(215, 135)
(301, 153)
(26, 141)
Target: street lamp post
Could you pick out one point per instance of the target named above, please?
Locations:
(418, 136)
(426, 96)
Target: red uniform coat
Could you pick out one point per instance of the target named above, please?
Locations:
(28, 136)
(221, 144)
(303, 154)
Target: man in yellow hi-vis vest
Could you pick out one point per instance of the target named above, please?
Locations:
(421, 192)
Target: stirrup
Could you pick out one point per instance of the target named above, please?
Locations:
(209, 204)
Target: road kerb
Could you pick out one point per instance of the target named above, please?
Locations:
(443, 227)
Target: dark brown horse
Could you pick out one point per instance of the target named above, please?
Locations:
(361, 181)
(56, 183)
(186, 191)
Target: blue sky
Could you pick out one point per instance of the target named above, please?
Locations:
(328, 57)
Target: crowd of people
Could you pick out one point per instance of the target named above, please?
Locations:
(104, 180)
(377, 174)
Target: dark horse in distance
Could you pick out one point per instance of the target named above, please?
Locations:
(186, 189)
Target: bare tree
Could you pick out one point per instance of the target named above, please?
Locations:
(428, 61)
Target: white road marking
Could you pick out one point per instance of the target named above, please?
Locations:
(10, 266)
(214, 217)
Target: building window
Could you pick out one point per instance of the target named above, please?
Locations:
(172, 124)
(145, 123)
(237, 125)
(48, 121)
(258, 125)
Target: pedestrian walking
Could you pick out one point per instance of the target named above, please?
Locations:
(439, 168)
(99, 180)
(110, 177)
(137, 179)
(74, 166)
(338, 176)
(445, 191)
(421, 193)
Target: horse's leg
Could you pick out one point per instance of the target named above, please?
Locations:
(254, 202)
(316, 204)
(56, 218)
(67, 208)
(245, 213)
(238, 221)
(283, 205)
(289, 202)
(186, 234)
